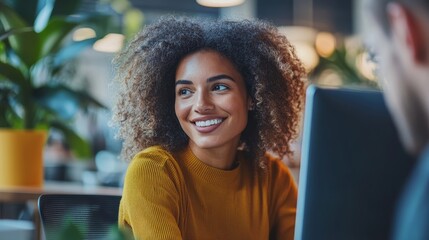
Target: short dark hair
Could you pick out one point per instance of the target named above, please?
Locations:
(145, 72)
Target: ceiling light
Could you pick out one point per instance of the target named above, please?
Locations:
(220, 3)
(325, 44)
(83, 34)
(302, 38)
(112, 42)
(307, 54)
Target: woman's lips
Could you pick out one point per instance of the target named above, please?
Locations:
(209, 125)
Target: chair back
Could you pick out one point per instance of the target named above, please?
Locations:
(93, 215)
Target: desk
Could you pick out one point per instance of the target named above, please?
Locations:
(25, 194)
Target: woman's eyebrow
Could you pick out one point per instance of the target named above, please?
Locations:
(210, 79)
(218, 77)
(187, 82)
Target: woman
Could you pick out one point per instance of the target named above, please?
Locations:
(199, 105)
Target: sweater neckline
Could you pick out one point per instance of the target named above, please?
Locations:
(209, 174)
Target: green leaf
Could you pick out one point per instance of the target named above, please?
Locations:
(5, 106)
(79, 146)
(44, 14)
(86, 100)
(26, 9)
(30, 10)
(71, 51)
(24, 43)
(82, 98)
(55, 32)
(65, 7)
(26, 46)
(2, 52)
(10, 19)
(71, 231)
(57, 100)
(12, 74)
(116, 233)
(10, 32)
(8, 117)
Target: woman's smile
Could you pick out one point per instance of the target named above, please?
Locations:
(208, 126)
(208, 123)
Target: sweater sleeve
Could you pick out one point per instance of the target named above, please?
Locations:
(150, 201)
(283, 201)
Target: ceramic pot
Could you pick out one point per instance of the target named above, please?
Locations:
(21, 157)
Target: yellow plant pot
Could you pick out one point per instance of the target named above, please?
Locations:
(21, 157)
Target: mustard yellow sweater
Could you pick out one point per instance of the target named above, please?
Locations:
(180, 197)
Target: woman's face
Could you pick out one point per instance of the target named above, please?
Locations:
(211, 100)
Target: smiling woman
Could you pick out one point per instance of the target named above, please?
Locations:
(199, 105)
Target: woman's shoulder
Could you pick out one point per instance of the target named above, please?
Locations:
(153, 157)
(276, 167)
(152, 165)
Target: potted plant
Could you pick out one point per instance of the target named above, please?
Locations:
(32, 53)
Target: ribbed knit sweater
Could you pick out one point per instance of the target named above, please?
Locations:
(180, 197)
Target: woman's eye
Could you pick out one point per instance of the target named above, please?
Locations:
(184, 91)
(220, 87)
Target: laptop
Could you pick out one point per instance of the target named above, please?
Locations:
(353, 166)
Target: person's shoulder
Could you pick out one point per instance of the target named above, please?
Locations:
(154, 157)
(152, 168)
(277, 168)
(275, 163)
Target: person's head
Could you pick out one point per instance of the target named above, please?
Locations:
(398, 34)
(164, 63)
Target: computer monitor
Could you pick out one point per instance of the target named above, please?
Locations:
(353, 166)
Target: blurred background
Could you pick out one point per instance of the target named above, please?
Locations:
(324, 32)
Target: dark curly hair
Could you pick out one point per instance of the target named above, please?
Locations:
(145, 72)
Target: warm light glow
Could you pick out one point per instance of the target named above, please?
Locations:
(329, 78)
(307, 54)
(302, 38)
(112, 42)
(366, 66)
(325, 44)
(220, 3)
(83, 33)
(298, 33)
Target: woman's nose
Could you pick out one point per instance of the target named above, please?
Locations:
(203, 103)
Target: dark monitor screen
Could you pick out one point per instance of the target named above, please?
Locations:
(353, 166)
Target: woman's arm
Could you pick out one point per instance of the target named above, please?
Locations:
(283, 201)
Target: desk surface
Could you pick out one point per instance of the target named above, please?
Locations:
(20, 194)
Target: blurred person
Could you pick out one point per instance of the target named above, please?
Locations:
(200, 103)
(398, 34)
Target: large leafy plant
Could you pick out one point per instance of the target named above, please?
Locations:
(34, 49)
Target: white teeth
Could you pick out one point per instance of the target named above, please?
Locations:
(208, 122)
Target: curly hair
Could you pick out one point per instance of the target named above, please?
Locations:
(145, 73)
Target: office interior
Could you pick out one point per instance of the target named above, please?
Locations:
(325, 33)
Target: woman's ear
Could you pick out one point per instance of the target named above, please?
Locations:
(406, 29)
